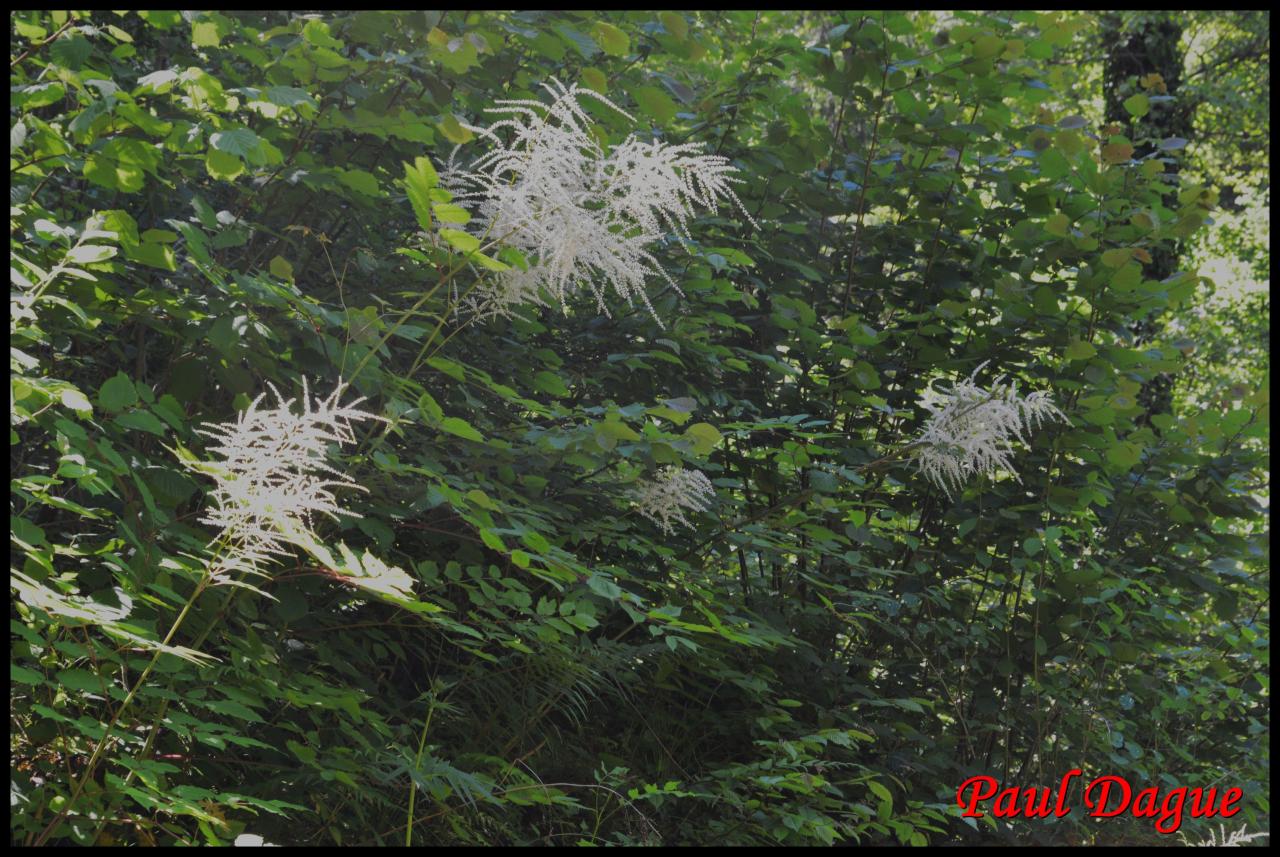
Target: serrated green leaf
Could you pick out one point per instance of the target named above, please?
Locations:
(462, 428)
(464, 242)
(361, 181)
(117, 393)
(419, 178)
(448, 212)
(122, 164)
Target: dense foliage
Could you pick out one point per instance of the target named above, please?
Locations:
(512, 643)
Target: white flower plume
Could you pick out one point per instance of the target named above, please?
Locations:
(972, 429)
(581, 216)
(1224, 839)
(273, 474)
(665, 498)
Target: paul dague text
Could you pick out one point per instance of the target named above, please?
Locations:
(1104, 797)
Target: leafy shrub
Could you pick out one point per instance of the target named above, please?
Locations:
(497, 645)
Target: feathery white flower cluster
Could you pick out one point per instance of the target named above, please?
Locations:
(579, 215)
(273, 476)
(972, 429)
(1224, 839)
(664, 498)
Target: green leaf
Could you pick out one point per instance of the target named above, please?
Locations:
(142, 420)
(548, 46)
(604, 587)
(1124, 454)
(886, 799)
(1117, 257)
(675, 24)
(303, 752)
(457, 53)
(594, 79)
(1080, 350)
(447, 212)
(76, 401)
(117, 393)
(612, 40)
(281, 267)
(583, 44)
(481, 499)
(492, 540)
(233, 709)
(419, 178)
(1057, 224)
(453, 130)
(204, 34)
(449, 367)
(654, 103)
(1053, 164)
(237, 141)
(361, 181)
(30, 32)
(865, 375)
(549, 382)
(462, 428)
(488, 263)
(1138, 105)
(704, 437)
(289, 96)
(222, 166)
(88, 254)
(616, 429)
(40, 95)
(78, 679)
(22, 675)
(317, 33)
(986, 47)
(430, 409)
(122, 164)
(71, 51)
(464, 242)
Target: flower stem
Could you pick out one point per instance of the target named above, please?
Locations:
(205, 580)
(106, 735)
(417, 763)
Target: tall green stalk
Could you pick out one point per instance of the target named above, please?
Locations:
(417, 764)
(205, 580)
